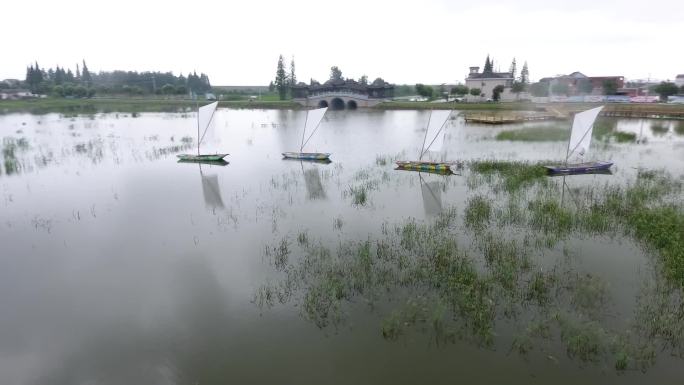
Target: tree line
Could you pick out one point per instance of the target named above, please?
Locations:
(84, 83)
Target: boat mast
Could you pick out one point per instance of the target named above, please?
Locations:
(198, 125)
(425, 137)
(301, 147)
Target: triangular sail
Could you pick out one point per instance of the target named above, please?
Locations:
(582, 127)
(204, 115)
(313, 119)
(434, 136)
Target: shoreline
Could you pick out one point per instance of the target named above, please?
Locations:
(104, 105)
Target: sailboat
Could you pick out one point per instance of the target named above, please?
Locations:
(580, 140)
(313, 120)
(204, 116)
(436, 123)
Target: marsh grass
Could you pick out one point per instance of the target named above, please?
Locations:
(534, 134)
(512, 176)
(454, 292)
(659, 128)
(624, 137)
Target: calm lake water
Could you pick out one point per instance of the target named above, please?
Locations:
(119, 265)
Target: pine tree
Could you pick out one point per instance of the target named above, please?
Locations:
(514, 69)
(78, 73)
(281, 79)
(293, 77)
(85, 75)
(525, 74)
(488, 67)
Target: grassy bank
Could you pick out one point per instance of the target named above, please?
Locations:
(42, 106)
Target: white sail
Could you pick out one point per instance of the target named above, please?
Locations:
(582, 127)
(204, 115)
(313, 119)
(434, 137)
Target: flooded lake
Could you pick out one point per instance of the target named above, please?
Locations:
(119, 265)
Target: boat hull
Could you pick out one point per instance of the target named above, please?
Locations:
(318, 156)
(425, 166)
(580, 168)
(201, 158)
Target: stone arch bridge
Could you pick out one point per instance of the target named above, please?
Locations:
(339, 101)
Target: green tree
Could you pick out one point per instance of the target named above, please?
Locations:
(80, 92)
(475, 91)
(85, 75)
(459, 89)
(168, 89)
(68, 90)
(271, 86)
(665, 89)
(610, 87)
(425, 91)
(560, 89)
(181, 90)
(539, 89)
(585, 86)
(496, 92)
(517, 88)
(58, 90)
(281, 79)
(488, 67)
(363, 80)
(335, 73)
(293, 76)
(525, 74)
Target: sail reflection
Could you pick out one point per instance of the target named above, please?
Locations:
(314, 186)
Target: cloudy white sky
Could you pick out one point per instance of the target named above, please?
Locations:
(428, 41)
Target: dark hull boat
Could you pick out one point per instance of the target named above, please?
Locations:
(581, 168)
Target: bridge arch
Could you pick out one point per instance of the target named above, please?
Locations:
(337, 104)
(323, 103)
(351, 105)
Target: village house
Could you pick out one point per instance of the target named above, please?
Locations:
(577, 81)
(486, 81)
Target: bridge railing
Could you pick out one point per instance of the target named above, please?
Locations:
(357, 95)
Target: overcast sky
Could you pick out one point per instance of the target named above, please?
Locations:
(428, 41)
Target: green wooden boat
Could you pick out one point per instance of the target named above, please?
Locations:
(202, 158)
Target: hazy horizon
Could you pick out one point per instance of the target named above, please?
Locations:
(405, 43)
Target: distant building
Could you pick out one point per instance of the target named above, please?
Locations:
(15, 94)
(486, 81)
(342, 93)
(576, 81)
(679, 80)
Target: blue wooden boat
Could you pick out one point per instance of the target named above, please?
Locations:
(313, 156)
(580, 168)
(578, 145)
